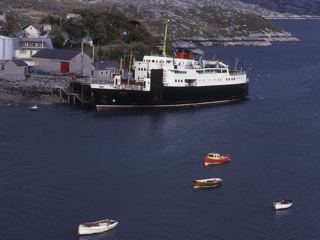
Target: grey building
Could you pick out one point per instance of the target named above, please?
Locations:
(106, 70)
(16, 67)
(60, 61)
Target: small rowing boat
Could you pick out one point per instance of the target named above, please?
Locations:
(282, 204)
(207, 183)
(34, 108)
(97, 227)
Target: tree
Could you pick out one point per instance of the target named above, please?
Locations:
(11, 26)
(75, 29)
(51, 20)
(96, 24)
(57, 37)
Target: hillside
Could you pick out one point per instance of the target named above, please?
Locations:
(200, 20)
(196, 18)
(301, 7)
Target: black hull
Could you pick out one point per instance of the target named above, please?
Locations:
(166, 97)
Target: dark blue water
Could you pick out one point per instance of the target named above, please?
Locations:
(61, 166)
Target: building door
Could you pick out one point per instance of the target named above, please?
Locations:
(64, 67)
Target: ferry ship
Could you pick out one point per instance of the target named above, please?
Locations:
(172, 82)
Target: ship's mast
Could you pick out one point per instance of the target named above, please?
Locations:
(236, 63)
(129, 70)
(165, 40)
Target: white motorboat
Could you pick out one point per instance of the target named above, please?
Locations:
(34, 108)
(97, 227)
(282, 204)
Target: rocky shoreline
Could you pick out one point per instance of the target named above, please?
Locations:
(252, 39)
(40, 91)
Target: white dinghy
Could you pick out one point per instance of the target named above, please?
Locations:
(282, 204)
(97, 227)
(34, 108)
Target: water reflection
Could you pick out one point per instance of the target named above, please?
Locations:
(280, 214)
(99, 236)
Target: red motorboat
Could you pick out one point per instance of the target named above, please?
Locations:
(216, 158)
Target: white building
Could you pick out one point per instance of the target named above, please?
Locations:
(25, 48)
(32, 32)
(73, 16)
(37, 30)
(47, 28)
(6, 48)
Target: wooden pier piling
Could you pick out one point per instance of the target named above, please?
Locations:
(76, 94)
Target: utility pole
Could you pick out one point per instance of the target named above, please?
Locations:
(92, 51)
(129, 70)
(82, 57)
(124, 62)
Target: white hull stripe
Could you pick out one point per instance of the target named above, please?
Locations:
(165, 105)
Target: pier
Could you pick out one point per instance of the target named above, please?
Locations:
(77, 93)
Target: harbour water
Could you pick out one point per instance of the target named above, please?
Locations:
(62, 166)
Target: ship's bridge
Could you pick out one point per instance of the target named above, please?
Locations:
(143, 68)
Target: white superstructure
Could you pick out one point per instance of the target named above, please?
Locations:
(178, 72)
(188, 72)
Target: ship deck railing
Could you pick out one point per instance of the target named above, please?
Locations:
(129, 87)
(122, 87)
(237, 73)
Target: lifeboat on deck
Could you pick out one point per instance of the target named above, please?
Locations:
(207, 183)
(216, 158)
